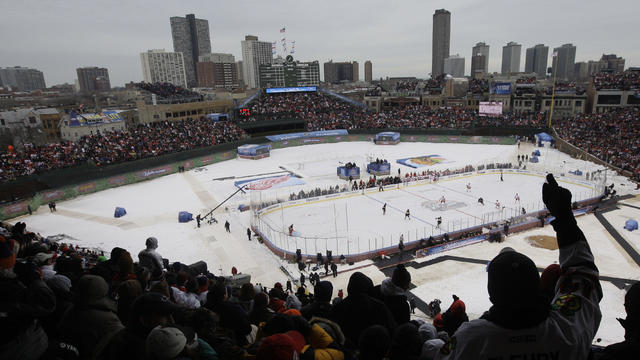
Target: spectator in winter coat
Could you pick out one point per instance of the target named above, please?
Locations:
(260, 312)
(630, 347)
(563, 329)
(321, 306)
(107, 269)
(127, 292)
(392, 291)
(24, 298)
(150, 258)
(406, 343)
(92, 319)
(359, 310)
(451, 319)
(148, 311)
(232, 316)
(374, 343)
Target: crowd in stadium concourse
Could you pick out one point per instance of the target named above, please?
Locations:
(478, 86)
(144, 140)
(612, 136)
(60, 301)
(526, 80)
(628, 80)
(406, 85)
(167, 90)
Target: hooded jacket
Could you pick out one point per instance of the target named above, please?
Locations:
(149, 257)
(563, 330)
(395, 298)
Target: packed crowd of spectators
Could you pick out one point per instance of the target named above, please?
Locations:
(434, 83)
(325, 112)
(60, 301)
(404, 86)
(527, 80)
(144, 140)
(562, 86)
(478, 86)
(628, 80)
(612, 136)
(167, 90)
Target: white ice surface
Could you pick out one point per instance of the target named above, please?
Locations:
(153, 206)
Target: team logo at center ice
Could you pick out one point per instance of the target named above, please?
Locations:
(420, 161)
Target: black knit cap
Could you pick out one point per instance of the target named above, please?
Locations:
(514, 280)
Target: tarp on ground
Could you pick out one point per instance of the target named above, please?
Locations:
(543, 136)
(120, 212)
(631, 225)
(185, 216)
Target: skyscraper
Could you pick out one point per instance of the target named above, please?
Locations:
(454, 66)
(536, 60)
(254, 54)
(368, 71)
(613, 63)
(161, 66)
(481, 49)
(336, 72)
(477, 65)
(217, 70)
(191, 38)
(23, 79)
(565, 62)
(92, 79)
(440, 41)
(511, 58)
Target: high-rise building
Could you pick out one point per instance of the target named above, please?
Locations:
(481, 49)
(566, 61)
(337, 72)
(595, 66)
(218, 71)
(240, 71)
(511, 58)
(191, 38)
(477, 65)
(161, 66)
(536, 60)
(613, 63)
(21, 78)
(581, 71)
(254, 54)
(289, 73)
(368, 71)
(93, 79)
(440, 41)
(454, 66)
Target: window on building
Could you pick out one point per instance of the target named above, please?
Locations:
(182, 113)
(578, 103)
(2, 121)
(547, 103)
(527, 103)
(167, 115)
(32, 119)
(156, 116)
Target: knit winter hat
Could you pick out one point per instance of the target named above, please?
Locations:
(374, 342)
(513, 279)
(359, 283)
(281, 346)
(7, 257)
(164, 343)
(323, 291)
(427, 332)
(430, 349)
(401, 277)
(42, 257)
(91, 289)
(151, 243)
(632, 305)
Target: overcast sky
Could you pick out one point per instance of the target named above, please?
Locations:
(57, 36)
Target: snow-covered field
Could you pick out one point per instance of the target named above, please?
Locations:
(153, 206)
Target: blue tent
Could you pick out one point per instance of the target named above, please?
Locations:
(185, 216)
(631, 225)
(543, 136)
(120, 212)
(534, 159)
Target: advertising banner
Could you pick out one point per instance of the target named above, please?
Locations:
(490, 108)
(291, 89)
(271, 182)
(153, 172)
(422, 161)
(500, 88)
(307, 135)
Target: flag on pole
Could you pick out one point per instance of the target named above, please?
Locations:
(282, 30)
(555, 53)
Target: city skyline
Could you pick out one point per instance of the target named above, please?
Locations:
(399, 47)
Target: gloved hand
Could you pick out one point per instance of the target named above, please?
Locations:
(558, 201)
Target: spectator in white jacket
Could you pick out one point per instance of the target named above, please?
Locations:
(522, 323)
(150, 258)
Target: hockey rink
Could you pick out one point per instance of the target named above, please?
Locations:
(153, 206)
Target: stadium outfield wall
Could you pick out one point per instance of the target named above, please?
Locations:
(57, 186)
